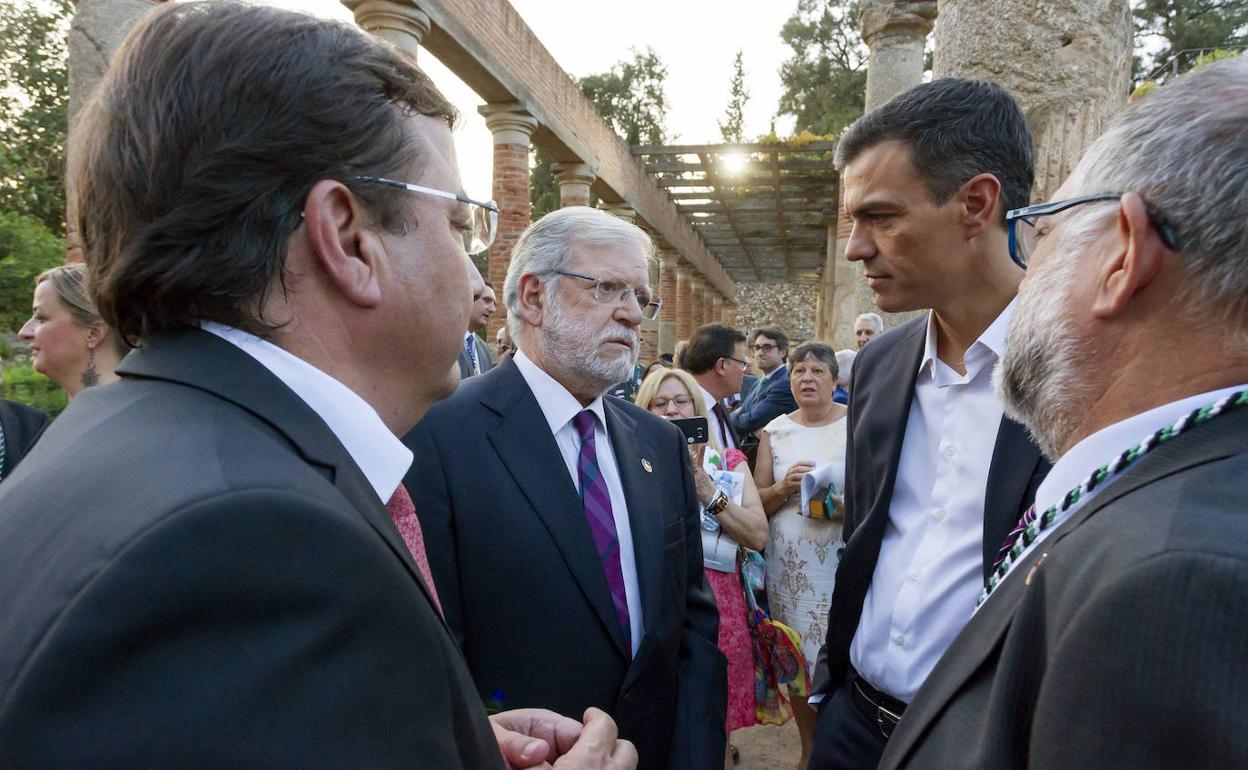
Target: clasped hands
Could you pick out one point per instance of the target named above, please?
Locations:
(543, 739)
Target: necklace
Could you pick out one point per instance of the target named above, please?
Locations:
(1102, 474)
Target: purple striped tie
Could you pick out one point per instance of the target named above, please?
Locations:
(1028, 517)
(597, 502)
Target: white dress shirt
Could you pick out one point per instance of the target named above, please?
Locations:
(725, 436)
(559, 407)
(378, 452)
(930, 568)
(1099, 449)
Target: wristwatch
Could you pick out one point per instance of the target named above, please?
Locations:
(717, 504)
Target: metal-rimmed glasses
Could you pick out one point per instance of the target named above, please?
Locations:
(610, 291)
(1023, 230)
(744, 364)
(478, 235)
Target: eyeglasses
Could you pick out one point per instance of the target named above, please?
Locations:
(744, 364)
(478, 235)
(612, 292)
(764, 346)
(680, 401)
(1024, 232)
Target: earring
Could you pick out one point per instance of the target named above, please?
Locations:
(90, 376)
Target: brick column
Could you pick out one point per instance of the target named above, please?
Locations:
(649, 348)
(708, 306)
(400, 24)
(697, 307)
(684, 304)
(667, 291)
(730, 315)
(717, 309)
(574, 181)
(512, 127)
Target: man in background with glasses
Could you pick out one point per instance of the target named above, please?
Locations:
(770, 396)
(562, 527)
(935, 474)
(1112, 633)
(716, 357)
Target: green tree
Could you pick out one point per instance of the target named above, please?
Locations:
(1180, 25)
(733, 125)
(26, 249)
(34, 99)
(825, 80)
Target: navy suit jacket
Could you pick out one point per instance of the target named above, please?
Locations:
(484, 359)
(522, 584)
(762, 405)
(21, 427)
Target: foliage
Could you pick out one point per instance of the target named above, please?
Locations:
(26, 249)
(543, 189)
(1182, 25)
(825, 80)
(733, 125)
(34, 101)
(24, 385)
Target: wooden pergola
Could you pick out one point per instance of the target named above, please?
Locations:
(764, 210)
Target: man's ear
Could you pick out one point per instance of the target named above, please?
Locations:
(344, 241)
(532, 299)
(979, 197)
(1131, 261)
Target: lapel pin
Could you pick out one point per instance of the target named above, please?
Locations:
(646, 464)
(1031, 573)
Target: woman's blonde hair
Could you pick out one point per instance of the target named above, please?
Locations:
(650, 388)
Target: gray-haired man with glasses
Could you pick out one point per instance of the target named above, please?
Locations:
(562, 527)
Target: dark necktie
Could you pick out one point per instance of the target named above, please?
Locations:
(403, 513)
(471, 349)
(725, 433)
(597, 501)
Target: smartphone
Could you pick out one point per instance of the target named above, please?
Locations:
(694, 428)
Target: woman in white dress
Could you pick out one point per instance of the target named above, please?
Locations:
(801, 551)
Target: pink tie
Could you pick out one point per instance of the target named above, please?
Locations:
(403, 513)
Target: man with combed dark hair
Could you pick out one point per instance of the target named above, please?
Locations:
(200, 564)
(770, 396)
(935, 474)
(716, 359)
(1113, 634)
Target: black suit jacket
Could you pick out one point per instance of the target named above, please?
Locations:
(884, 377)
(522, 584)
(484, 359)
(196, 574)
(1120, 642)
(21, 425)
(760, 407)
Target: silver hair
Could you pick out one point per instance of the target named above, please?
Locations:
(1184, 148)
(874, 318)
(546, 246)
(845, 362)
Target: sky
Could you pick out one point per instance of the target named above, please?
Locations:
(696, 39)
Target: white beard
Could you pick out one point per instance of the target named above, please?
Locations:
(576, 348)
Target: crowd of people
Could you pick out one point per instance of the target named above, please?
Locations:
(298, 515)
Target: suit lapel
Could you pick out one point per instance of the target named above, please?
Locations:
(523, 442)
(1015, 459)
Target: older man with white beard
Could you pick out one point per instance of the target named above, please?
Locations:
(563, 528)
(1113, 632)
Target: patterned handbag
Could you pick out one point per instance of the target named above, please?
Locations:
(777, 650)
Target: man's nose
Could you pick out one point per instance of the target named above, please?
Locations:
(859, 246)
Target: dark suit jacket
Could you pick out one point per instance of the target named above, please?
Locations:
(21, 426)
(484, 359)
(1121, 642)
(196, 574)
(522, 584)
(883, 382)
(761, 406)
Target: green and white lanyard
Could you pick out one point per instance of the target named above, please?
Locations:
(1099, 477)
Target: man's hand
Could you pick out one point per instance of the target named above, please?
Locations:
(598, 747)
(532, 738)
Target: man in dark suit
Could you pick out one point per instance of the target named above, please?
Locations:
(474, 356)
(20, 428)
(200, 568)
(935, 474)
(768, 397)
(562, 526)
(1114, 634)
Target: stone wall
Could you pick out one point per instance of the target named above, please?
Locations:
(791, 307)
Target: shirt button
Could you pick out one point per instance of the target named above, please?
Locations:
(899, 640)
(939, 514)
(951, 450)
(913, 576)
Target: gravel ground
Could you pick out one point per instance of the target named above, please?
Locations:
(768, 747)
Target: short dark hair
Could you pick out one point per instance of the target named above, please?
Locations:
(193, 158)
(708, 344)
(819, 351)
(955, 129)
(773, 333)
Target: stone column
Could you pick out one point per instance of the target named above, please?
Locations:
(697, 308)
(512, 128)
(1068, 64)
(684, 304)
(667, 291)
(574, 182)
(895, 31)
(403, 25)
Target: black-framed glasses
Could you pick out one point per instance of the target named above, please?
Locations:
(478, 235)
(610, 291)
(1024, 232)
(759, 348)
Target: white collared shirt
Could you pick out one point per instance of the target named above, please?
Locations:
(931, 563)
(379, 454)
(725, 438)
(559, 407)
(1099, 449)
